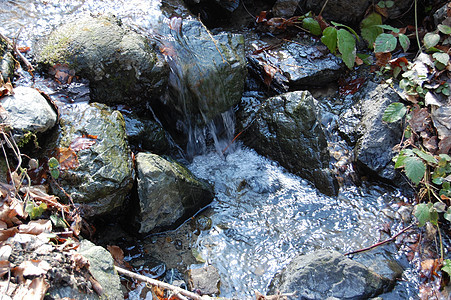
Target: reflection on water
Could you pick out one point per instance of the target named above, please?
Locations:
(263, 216)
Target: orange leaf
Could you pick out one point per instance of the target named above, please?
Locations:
(397, 62)
(262, 17)
(382, 58)
(81, 143)
(67, 158)
(117, 254)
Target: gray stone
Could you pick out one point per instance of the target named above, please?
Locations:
(441, 117)
(285, 8)
(208, 72)
(342, 11)
(374, 148)
(101, 266)
(122, 66)
(168, 192)
(27, 111)
(287, 129)
(295, 65)
(206, 280)
(324, 274)
(103, 176)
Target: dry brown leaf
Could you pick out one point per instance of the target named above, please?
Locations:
(81, 143)
(420, 119)
(75, 226)
(67, 158)
(117, 254)
(444, 145)
(37, 289)
(5, 266)
(382, 58)
(80, 261)
(3, 225)
(270, 72)
(51, 200)
(31, 268)
(7, 233)
(36, 227)
(96, 286)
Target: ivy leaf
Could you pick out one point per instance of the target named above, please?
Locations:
(389, 4)
(35, 211)
(385, 43)
(348, 28)
(368, 29)
(425, 156)
(346, 46)
(414, 168)
(431, 39)
(53, 163)
(445, 29)
(447, 266)
(329, 38)
(312, 25)
(422, 214)
(55, 173)
(394, 112)
(404, 41)
(388, 27)
(441, 57)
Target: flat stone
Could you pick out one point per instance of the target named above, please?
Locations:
(206, 280)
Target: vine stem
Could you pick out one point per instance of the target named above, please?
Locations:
(416, 26)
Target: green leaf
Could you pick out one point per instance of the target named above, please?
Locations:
(368, 29)
(447, 266)
(445, 157)
(58, 221)
(389, 4)
(440, 207)
(329, 38)
(404, 42)
(422, 214)
(197, 255)
(394, 112)
(346, 46)
(381, 4)
(388, 27)
(55, 173)
(441, 57)
(447, 215)
(414, 169)
(348, 28)
(312, 25)
(35, 211)
(400, 161)
(385, 43)
(426, 156)
(366, 58)
(431, 39)
(445, 29)
(53, 163)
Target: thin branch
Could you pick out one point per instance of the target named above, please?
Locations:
(20, 55)
(381, 243)
(161, 284)
(322, 9)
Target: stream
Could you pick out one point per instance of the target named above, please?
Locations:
(262, 215)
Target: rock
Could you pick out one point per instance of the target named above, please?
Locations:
(375, 138)
(168, 192)
(122, 66)
(326, 274)
(287, 129)
(27, 111)
(211, 11)
(342, 11)
(295, 65)
(208, 73)
(285, 8)
(100, 174)
(206, 280)
(101, 266)
(146, 134)
(441, 117)
(7, 62)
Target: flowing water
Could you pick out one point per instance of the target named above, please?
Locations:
(262, 215)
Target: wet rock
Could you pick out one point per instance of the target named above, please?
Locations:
(168, 192)
(99, 175)
(374, 138)
(212, 10)
(146, 134)
(204, 280)
(208, 73)
(441, 16)
(285, 8)
(27, 111)
(342, 11)
(287, 128)
(7, 62)
(122, 66)
(296, 64)
(326, 274)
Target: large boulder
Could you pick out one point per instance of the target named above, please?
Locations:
(27, 111)
(168, 192)
(208, 72)
(95, 159)
(287, 129)
(326, 274)
(295, 65)
(122, 66)
(374, 138)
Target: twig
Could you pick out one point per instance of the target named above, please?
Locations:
(322, 9)
(161, 284)
(213, 39)
(381, 243)
(20, 55)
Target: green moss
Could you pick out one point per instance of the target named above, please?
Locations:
(27, 138)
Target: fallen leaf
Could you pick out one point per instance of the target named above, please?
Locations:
(36, 227)
(76, 225)
(7, 233)
(82, 143)
(79, 261)
(51, 200)
(67, 158)
(24, 49)
(5, 266)
(62, 73)
(117, 254)
(31, 268)
(382, 58)
(37, 289)
(444, 145)
(262, 17)
(420, 118)
(270, 72)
